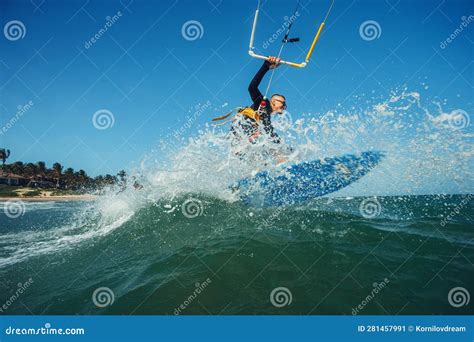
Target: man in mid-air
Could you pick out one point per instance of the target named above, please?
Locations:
(252, 119)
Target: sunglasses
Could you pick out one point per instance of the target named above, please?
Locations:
(282, 102)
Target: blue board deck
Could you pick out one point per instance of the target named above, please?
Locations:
(302, 182)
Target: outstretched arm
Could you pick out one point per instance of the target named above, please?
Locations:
(255, 93)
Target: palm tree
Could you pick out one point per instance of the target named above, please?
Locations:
(69, 177)
(17, 168)
(4, 154)
(110, 180)
(30, 170)
(41, 168)
(81, 179)
(121, 175)
(57, 169)
(99, 181)
(122, 178)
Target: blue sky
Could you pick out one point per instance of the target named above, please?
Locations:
(151, 78)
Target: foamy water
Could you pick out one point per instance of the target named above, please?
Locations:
(427, 151)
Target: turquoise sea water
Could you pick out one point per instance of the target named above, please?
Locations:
(181, 243)
(201, 255)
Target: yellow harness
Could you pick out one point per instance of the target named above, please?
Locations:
(246, 111)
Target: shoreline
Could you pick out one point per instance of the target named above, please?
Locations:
(62, 198)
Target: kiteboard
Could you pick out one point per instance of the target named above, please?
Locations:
(302, 182)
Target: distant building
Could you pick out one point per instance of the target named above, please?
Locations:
(40, 181)
(36, 183)
(12, 179)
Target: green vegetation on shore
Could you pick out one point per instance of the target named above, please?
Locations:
(9, 191)
(33, 177)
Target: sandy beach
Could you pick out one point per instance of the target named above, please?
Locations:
(43, 196)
